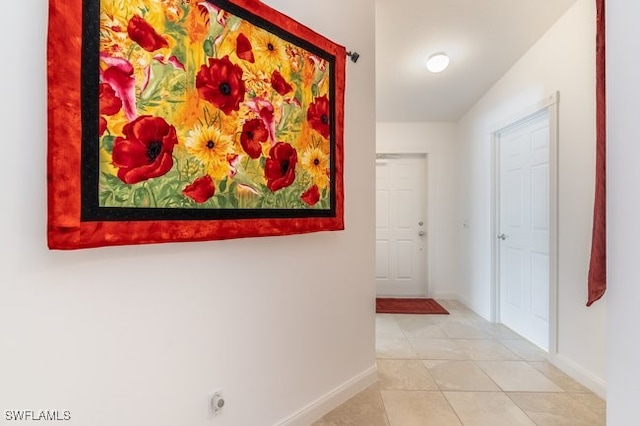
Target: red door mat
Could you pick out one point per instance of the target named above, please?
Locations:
(408, 306)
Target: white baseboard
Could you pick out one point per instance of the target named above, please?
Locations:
(579, 374)
(465, 302)
(323, 405)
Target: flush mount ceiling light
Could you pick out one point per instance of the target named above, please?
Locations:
(437, 62)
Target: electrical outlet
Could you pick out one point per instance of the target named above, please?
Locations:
(217, 401)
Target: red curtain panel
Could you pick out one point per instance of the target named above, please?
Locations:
(597, 281)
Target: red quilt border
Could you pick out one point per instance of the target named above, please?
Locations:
(65, 230)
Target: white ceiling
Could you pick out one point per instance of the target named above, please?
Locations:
(483, 38)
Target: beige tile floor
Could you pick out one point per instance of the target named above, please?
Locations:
(459, 369)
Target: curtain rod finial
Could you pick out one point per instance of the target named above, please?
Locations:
(354, 56)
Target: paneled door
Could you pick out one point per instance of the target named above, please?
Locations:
(523, 228)
(401, 229)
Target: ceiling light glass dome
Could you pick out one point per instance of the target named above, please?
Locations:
(438, 62)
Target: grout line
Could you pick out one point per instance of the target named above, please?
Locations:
(384, 405)
(452, 408)
(495, 338)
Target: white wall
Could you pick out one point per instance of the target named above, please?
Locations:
(623, 174)
(140, 335)
(438, 142)
(563, 60)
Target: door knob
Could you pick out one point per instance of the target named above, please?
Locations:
(421, 233)
(502, 237)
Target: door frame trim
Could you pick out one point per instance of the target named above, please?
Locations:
(550, 105)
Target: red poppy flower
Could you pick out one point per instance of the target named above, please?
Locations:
(201, 189)
(280, 168)
(145, 150)
(279, 84)
(221, 83)
(102, 126)
(318, 115)
(244, 50)
(110, 103)
(265, 111)
(311, 196)
(253, 133)
(143, 33)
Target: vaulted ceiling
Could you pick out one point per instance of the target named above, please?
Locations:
(483, 38)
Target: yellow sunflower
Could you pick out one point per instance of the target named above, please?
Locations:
(269, 50)
(212, 148)
(316, 163)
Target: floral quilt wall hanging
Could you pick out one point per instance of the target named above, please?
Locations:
(190, 120)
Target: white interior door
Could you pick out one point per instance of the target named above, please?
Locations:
(401, 226)
(523, 231)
